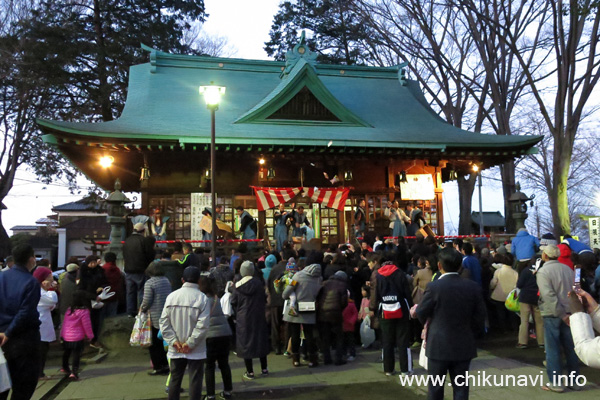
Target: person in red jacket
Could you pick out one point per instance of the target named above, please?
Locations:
(350, 315)
(114, 276)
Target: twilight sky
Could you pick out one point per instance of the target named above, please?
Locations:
(246, 24)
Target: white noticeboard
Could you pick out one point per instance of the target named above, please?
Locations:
(418, 187)
(199, 202)
(594, 226)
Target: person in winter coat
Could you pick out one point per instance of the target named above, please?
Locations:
(249, 301)
(68, 286)
(331, 302)
(350, 316)
(524, 246)
(184, 325)
(555, 281)
(138, 252)
(528, 299)
(392, 302)
(92, 280)
(278, 337)
(114, 279)
(305, 286)
(76, 327)
(504, 280)
(48, 300)
(156, 291)
(217, 342)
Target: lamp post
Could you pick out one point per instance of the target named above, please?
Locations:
(212, 96)
(476, 170)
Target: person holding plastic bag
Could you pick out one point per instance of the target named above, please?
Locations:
(156, 290)
(504, 281)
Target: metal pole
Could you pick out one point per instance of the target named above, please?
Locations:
(212, 187)
(480, 206)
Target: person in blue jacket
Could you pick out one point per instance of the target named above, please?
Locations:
(524, 247)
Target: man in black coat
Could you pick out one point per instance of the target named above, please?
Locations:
(138, 253)
(456, 313)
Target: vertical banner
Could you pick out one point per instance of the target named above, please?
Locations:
(199, 202)
(594, 227)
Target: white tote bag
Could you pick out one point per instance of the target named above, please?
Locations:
(5, 383)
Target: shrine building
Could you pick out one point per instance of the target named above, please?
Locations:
(278, 125)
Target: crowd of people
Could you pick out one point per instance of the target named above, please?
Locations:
(307, 305)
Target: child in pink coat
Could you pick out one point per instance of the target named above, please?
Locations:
(76, 327)
(350, 315)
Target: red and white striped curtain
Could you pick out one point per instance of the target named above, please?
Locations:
(268, 197)
(332, 198)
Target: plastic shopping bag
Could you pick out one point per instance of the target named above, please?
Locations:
(367, 335)
(423, 356)
(141, 335)
(226, 301)
(512, 301)
(5, 383)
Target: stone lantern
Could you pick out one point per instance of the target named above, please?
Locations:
(518, 203)
(117, 218)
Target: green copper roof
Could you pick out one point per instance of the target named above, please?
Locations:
(376, 107)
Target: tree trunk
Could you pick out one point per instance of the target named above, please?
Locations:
(5, 246)
(559, 200)
(466, 186)
(507, 173)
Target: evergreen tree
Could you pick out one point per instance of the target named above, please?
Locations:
(334, 32)
(69, 60)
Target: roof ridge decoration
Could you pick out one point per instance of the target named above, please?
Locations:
(300, 51)
(300, 74)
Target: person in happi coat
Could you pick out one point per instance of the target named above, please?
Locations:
(158, 227)
(281, 227)
(248, 227)
(360, 218)
(207, 212)
(397, 219)
(300, 219)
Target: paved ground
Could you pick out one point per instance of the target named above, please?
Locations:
(122, 375)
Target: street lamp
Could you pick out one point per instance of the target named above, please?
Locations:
(212, 96)
(476, 169)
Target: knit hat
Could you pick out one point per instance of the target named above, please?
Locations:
(291, 264)
(548, 239)
(41, 273)
(72, 267)
(247, 269)
(341, 275)
(270, 261)
(191, 274)
(139, 227)
(501, 249)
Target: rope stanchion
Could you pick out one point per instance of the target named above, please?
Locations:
(196, 241)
